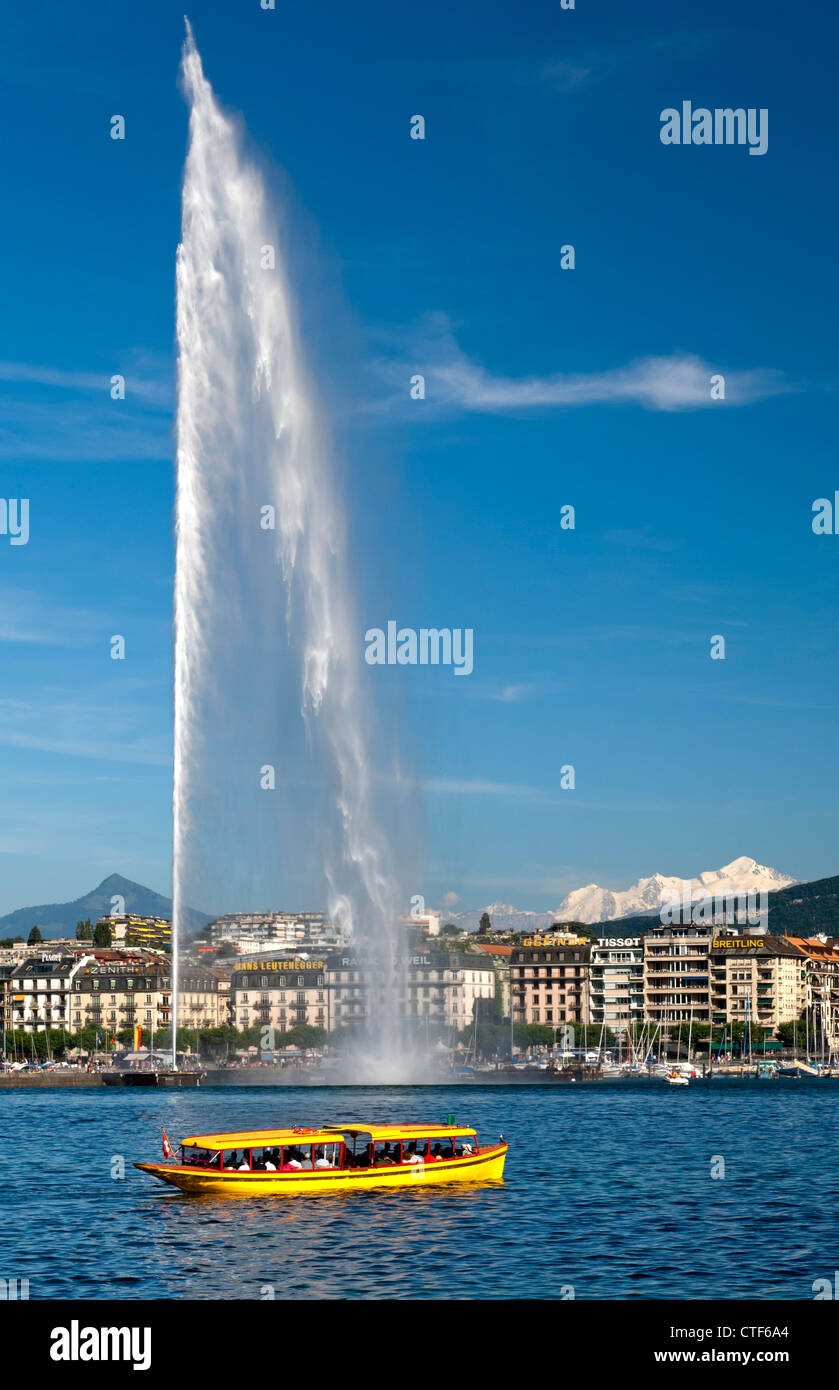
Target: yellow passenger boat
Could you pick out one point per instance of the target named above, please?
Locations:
(277, 1161)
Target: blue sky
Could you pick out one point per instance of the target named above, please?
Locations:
(442, 256)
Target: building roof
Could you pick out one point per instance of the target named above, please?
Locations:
(815, 949)
(503, 951)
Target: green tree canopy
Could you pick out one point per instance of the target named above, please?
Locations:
(485, 925)
(102, 934)
(34, 937)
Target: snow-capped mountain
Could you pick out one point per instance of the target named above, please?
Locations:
(595, 904)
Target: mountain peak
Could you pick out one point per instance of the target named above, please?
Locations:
(742, 875)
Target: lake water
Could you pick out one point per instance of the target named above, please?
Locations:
(607, 1192)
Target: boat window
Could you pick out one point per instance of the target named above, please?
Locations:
(423, 1147)
(387, 1152)
(236, 1160)
(297, 1156)
(201, 1158)
(361, 1152)
(328, 1155)
(265, 1160)
(464, 1146)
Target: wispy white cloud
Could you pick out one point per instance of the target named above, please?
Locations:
(567, 74)
(478, 786)
(35, 620)
(58, 413)
(517, 692)
(153, 387)
(680, 381)
(81, 727)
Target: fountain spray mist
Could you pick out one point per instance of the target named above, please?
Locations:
(250, 436)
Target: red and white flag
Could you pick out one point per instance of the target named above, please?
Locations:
(167, 1147)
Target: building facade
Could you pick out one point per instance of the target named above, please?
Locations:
(40, 991)
(203, 998)
(113, 990)
(676, 974)
(549, 980)
(616, 983)
(759, 978)
(253, 933)
(279, 992)
(128, 929)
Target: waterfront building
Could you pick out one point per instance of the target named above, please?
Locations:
(676, 973)
(820, 957)
(40, 990)
(448, 987)
(203, 997)
(758, 977)
(6, 996)
(549, 980)
(616, 983)
(113, 990)
(500, 956)
(442, 988)
(279, 992)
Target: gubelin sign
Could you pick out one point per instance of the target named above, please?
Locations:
(555, 941)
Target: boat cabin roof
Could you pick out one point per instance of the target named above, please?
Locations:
(258, 1138)
(327, 1134)
(377, 1132)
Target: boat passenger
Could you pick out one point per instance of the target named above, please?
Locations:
(321, 1161)
(244, 1166)
(436, 1152)
(291, 1164)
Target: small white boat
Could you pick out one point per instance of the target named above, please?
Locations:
(677, 1078)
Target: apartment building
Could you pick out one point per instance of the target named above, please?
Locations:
(447, 987)
(761, 978)
(113, 990)
(616, 982)
(203, 998)
(40, 989)
(130, 929)
(676, 973)
(549, 980)
(820, 956)
(253, 933)
(279, 992)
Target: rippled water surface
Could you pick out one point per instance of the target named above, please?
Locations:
(607, 1190)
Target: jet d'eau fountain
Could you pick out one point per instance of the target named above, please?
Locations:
(267, 651)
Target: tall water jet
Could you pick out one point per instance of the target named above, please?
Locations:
(261, 550)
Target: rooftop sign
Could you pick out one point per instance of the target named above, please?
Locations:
(555, 941)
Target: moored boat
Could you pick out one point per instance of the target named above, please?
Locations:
(348, 1157)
